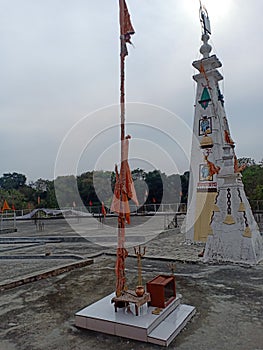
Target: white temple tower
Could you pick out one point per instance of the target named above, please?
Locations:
(218, 210)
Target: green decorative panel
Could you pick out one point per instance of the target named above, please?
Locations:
(205, 98)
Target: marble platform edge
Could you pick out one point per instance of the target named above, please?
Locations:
(103, 310)
(165, 312)
(167, 330)
(101, 317)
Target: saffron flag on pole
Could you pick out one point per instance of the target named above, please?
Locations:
(103, 210)
(126, 28)
(146, 195)
(5, 206)
(126, 188)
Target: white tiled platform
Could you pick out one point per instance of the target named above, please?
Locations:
(158, 329)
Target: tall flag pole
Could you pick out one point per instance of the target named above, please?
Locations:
(126, 30)
(124, 187)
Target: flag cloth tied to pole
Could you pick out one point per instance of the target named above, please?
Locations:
(126, 28)
(103, 210)
(124, 190)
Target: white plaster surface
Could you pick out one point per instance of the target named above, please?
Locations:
(159, 329)
(228, 243)
(172, 325)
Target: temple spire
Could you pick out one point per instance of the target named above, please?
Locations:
(218, 211)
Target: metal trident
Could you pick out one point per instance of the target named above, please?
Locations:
(172, 267)
(139, 255)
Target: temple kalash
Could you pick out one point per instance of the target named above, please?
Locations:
(218, 213)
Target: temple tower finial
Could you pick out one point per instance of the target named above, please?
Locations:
(206, 30)
(205, 49)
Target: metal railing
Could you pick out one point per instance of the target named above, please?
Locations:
(256, 205)
(146, 209)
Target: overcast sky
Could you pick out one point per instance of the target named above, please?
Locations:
(59, 82)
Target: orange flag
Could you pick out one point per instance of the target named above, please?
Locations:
(228, 138)
(103, 210)
(5, 206)
(124, 185)
(126, 28)
(202, 70)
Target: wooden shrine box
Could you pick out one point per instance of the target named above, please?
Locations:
(162, 290)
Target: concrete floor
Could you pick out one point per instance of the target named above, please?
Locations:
(40, 315)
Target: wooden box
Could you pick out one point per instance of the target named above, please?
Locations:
(162, 290)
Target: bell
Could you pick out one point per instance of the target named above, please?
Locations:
(206, 142)
(210, 231)
(229, 220)
(247, 232)
(216, 209)
(242, 207)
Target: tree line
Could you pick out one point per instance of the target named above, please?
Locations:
(88, 189)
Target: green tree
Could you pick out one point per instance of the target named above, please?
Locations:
(246, 161)
(86, 189)
(155, 184)
(185, 186)
(141, 187)
(173, 188)
(28, 195)
(44, 191)
(14, 198)
(253, 181)
(102, 186)
(66, 191)
(51, 199)
(12, 181)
